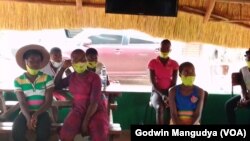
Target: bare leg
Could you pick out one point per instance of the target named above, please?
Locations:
(160, 115)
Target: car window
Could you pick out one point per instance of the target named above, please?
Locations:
(139, 41)
(106, 39)
(125, 40)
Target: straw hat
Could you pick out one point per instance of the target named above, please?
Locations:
(19, 55)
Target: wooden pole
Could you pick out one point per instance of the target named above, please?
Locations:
(209, 11)
(235, 1)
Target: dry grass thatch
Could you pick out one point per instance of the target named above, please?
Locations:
(186, 27)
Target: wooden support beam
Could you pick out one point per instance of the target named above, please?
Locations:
(65, 3)
(209, 10)
(201, 12)
(234, 21)
(216, 18)
(79, 5)
(235, 1)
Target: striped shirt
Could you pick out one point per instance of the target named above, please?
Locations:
(34, 92)
(184, 104)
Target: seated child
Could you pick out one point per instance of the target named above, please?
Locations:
(186, 100)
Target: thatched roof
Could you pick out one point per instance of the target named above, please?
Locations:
(222, 22)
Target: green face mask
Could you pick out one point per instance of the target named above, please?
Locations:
(31, 71)
(164, 54)
(92, 64)
(188, 80)
(248, 64)
(80, 67)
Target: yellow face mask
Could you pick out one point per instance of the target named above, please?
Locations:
(248, 64)
(31, 71)
(164, 54)
(80, 67)
(188, 80)
(92, 64)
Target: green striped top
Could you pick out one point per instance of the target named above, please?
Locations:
(34, 92)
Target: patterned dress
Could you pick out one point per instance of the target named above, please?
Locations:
(85, 88)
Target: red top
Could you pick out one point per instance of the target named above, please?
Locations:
(163, 73)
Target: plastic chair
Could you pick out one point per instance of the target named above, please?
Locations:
(236, 80)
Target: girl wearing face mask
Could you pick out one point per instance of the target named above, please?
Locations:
(80, 67)
(163, 75)
(186, 100)
(96, 66)
(88, 114)
(34, 90)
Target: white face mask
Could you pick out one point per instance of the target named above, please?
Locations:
(56, 64)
